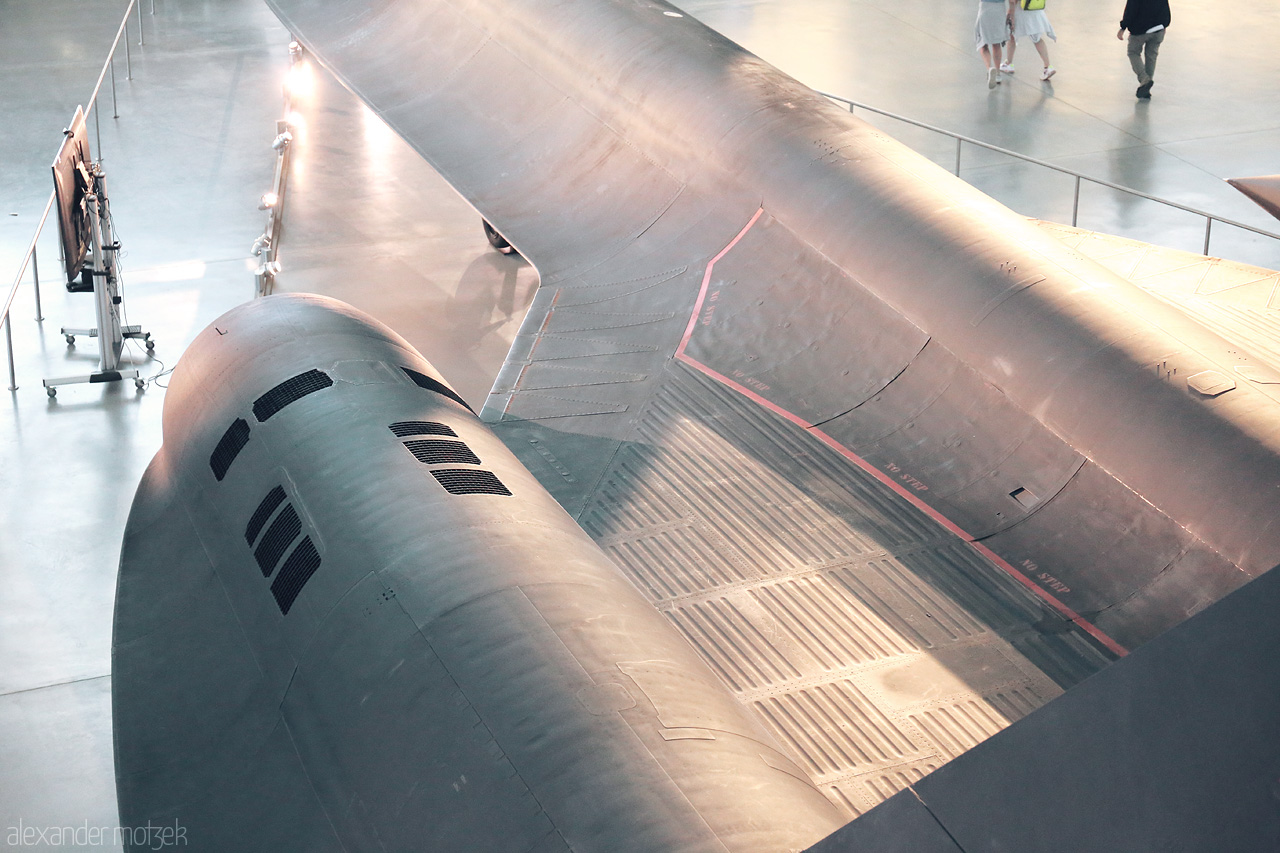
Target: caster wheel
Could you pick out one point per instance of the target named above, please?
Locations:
(71, 340)
(139, 384)
(52, 392)
(496, 240)
(151, 345)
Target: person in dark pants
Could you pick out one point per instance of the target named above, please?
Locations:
(1146, 21)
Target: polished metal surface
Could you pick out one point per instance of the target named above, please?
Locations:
(1264, 190)
(422, 662)
(189, 161)
(873, 643)
(1021, 394)
(1239, 301)
(1176, 747)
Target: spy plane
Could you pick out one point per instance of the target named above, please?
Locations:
(810, 468)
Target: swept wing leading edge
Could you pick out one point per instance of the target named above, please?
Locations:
(681, 197)
(897, 464)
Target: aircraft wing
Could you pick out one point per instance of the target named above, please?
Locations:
(1239, 301)
(1176, 747)
(1264, 190)
(865, 634)
(892, 459)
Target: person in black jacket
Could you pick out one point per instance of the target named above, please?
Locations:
(1146, 21)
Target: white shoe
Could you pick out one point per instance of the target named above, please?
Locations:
(1048, 72)
(993, 77)
(1006, 68)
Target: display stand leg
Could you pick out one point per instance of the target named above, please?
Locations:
(110, 334)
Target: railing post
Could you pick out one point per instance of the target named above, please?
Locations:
(142, 36)
(1075, 205)
(1208, 224)
(959, 142)
(35, 270)
(115, 110)
(128, 60)
(8, 335)
(97, 128)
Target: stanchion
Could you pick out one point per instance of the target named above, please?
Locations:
(8, 336)
(35, 269)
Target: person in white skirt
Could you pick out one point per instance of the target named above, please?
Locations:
(990, 33)
(1033, 24)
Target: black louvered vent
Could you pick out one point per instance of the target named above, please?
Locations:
(288, 391)
(277, 539)
(294, 574)
(442, 452)
(229, 446)
(274, 498)
(404, 428)
(463, 481)
(424, 381)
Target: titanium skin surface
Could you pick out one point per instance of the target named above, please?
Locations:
(1264, 190)
(1107, 450)
(327, 544)
(349, 619)
(1176, 747)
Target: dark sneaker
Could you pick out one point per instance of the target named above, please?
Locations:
(1144, 91)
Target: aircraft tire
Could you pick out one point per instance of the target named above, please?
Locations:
(496, 240)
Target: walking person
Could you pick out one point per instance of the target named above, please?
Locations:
(1034, 24)
(990, 33)
(1146, 21)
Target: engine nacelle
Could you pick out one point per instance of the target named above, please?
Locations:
(348, 618)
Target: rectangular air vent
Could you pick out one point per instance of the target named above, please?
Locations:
(274, 498)
(405, 428)
(464, 481)
(294, 574)
(290, 391)
(442, 452)
(229, 447)
(1024, 497)
(277, 539)
(424, 381)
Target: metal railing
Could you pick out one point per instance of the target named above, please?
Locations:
(961, 140)
(30, 257)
